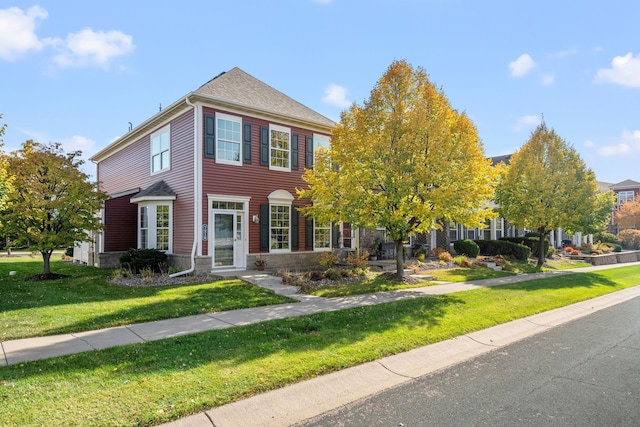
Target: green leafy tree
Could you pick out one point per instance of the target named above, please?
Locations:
(547, 186)
(51, 203)
(401, 161)
(5, 182)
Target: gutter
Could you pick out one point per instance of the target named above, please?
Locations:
(197, 213)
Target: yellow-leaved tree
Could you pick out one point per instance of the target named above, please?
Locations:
(547, 186)
(401, 161)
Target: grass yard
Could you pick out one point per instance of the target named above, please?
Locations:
(86, 301)
(155, 382)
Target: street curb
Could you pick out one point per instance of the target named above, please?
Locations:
(301, 401)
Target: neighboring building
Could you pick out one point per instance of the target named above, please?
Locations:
(625, 191)
(212, 180)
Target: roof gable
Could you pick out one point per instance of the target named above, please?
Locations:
(625, 184)
(238, 87)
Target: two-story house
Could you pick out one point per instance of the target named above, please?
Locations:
(625, 191)
(211, 180)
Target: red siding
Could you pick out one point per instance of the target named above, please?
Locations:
(120, 222)
(131, 168)
(254, 180)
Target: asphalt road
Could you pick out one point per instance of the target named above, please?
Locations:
(584, 373)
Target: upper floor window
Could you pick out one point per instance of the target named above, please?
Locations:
(320, 142)
(228, 139)
(279, 148)
(625, 196)
(160, 144)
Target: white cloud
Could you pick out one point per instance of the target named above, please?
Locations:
(89, 47)
(336, 95)
(625, 71)
(526, 122)
(548, 80)
(522, 65)
(17, 31)
(78, 142)
(625, 145)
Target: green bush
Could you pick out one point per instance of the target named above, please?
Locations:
(614, 246)
(606, 238)
(69, 252)
(137, 260)
(531, 240)
(504, 248)
(630, 238)
(466, 247)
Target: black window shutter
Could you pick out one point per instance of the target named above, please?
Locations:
(264, 228)
(295, 229)
(246, 143)
(294, 151)
(309, 233)
(264, 146)
(309, 153)
(210, 136)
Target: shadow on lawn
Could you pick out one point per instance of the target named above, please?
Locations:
(560, 280)
(336, 332)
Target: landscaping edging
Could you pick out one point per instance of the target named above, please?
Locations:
(611, 258)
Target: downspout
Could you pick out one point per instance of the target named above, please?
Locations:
(196, 189)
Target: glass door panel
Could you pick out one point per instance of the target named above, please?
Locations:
(223, 240)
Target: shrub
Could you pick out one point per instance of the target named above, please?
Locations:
(437, 251)
(630, 238)
(504, 248)
(462, 261)
(614, 246)
(445, 257)
(355, 260)
(466, 247)
(531, 240)
(68, 252)
(333, 274)
(607, 238)
(328, 259)
(137, 260)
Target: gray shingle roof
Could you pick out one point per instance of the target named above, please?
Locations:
(159, 189)
(626, 184)
(238, 87)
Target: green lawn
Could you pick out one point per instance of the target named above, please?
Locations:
(466, 274)
(374, 282)
(151, 383)
(86, 301)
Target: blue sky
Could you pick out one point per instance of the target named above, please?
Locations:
(78, 72)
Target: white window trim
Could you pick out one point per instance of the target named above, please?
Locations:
(317, 138)
(626, 199)
(322, 249)
(280, 129)
(152, 224)
(288, 249)
(280, 198)
(231, 119)
(166, 128)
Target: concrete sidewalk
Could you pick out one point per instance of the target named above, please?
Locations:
(22, 350)
(298, 402)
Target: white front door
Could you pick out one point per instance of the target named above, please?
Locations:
(228, 248)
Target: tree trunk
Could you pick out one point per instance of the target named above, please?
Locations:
(541, 253)
(46, 257)
(399, 259)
